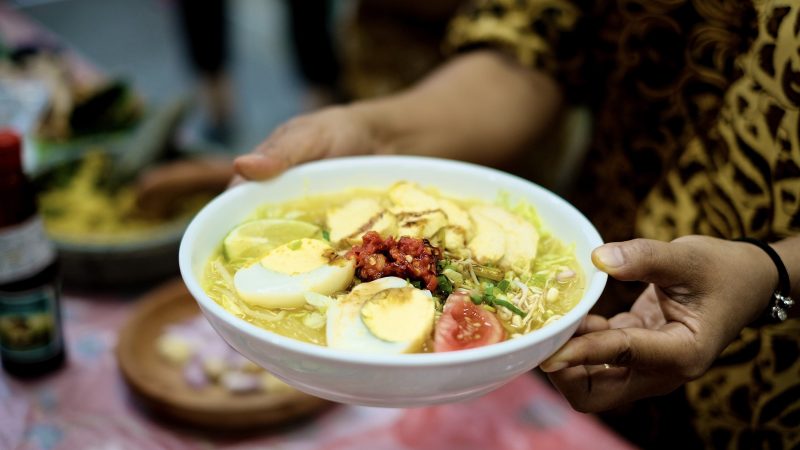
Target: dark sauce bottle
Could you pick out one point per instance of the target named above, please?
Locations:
(31, 338)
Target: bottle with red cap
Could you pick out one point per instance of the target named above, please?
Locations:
(31, 338)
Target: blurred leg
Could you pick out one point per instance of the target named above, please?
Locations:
(312, 38)
(205, 28)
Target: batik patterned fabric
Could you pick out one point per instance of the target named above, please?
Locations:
(696, 131)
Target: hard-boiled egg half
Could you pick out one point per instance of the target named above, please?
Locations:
(282, 277)
(386, 316)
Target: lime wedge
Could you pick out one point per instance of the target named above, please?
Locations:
(255, 238)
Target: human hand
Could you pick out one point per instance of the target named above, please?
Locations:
(331, 132)
(702, 292)
(162, 188)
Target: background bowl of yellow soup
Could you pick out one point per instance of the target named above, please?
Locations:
(103, 238)
(406, 380)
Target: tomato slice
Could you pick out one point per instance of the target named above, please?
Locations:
(465, 325)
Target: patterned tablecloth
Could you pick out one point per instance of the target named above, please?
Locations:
(86, 406)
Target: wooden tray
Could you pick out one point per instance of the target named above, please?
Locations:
(159, 385)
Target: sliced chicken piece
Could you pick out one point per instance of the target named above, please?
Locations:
(353, 219)
(423, 224)
(456, 215)
(519, 242)
(489, 243)
(458, 228)
(418, 213)
(409, 198)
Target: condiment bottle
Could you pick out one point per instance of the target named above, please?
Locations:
(31, 338)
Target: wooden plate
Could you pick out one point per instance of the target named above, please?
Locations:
(160, 387)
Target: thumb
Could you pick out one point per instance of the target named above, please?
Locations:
(663, 264)
(256, 166)
(297, 141)
(277, 154)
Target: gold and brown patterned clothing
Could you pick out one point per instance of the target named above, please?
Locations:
(696, 130)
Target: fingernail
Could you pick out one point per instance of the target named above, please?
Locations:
(609, 256)
(553, 366)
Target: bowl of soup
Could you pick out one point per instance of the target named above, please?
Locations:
(103, 236)
(392, 281)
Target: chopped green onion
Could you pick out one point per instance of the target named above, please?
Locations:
(326, 235)
(492, 273)
(416, 283)
(488, 308)
(445, 286)
(510, 307)
(503, 285)
(476, 298)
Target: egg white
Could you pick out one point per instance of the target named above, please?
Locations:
(346, 330)
(269, 288)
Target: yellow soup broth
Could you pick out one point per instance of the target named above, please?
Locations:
(540, 290)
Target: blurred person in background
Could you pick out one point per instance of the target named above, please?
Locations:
(313, 36)
(381, 47)
(387, 45)
(205, 28)
(695, 142)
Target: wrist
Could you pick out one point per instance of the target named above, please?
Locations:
(789, 252)
(779, 302)
(765, 278)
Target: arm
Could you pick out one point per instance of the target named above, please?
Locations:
(702, 292)
(480, 107)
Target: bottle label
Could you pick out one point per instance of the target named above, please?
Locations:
(29, 325)
(24, 250)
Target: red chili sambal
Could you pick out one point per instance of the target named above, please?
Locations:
(411, 258)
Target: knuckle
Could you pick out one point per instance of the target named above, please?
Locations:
(578, 346)
(282, 129)
(641, 257)
(625, 354)
(643, 248)
(693, 240)
(290, 126)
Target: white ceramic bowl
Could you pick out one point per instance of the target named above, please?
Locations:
(388, 380)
